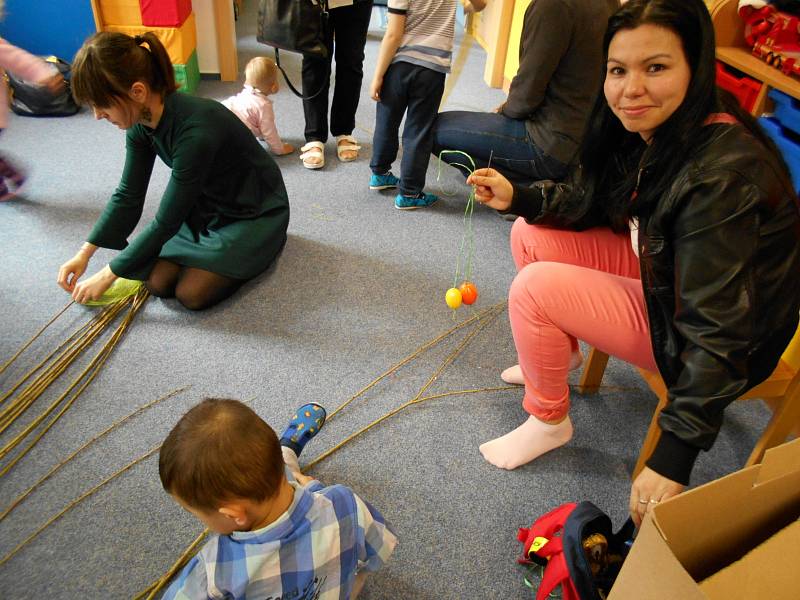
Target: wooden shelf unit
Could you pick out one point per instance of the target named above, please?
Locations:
(731, 50)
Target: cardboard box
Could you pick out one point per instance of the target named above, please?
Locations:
(740, 533)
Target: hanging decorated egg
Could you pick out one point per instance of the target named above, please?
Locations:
(453, 298)
(469, 293)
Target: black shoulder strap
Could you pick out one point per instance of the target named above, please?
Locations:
(294, 89)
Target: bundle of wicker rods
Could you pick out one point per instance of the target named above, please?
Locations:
(24, 393)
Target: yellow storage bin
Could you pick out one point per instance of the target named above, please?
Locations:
(119, 12)
(180, 42)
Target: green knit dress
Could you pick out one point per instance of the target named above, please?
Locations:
(224, 210)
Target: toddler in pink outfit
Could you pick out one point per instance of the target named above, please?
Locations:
(31, 68)
(253, 106)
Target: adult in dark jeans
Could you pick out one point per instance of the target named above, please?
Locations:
(345, 38)
(535, 134)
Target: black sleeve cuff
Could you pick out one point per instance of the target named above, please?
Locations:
(673, 458)
(526, 202)
(396, 11)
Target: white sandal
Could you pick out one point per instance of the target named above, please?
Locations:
(351, 145)
(313, 150)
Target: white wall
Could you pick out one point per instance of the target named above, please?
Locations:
(207, 52)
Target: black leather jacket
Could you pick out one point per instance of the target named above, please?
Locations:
(720, 268)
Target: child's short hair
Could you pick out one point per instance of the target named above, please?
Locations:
(218, 451)
(261, 73)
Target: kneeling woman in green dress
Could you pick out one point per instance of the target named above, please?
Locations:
(223, 216)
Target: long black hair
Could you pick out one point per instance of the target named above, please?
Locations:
(610, 155)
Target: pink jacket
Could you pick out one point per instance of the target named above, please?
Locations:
(24, 64)
(254, 108)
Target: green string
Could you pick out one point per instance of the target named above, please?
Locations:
(468, 239)
(120, 289)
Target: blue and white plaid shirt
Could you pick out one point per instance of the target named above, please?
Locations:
(312, 552)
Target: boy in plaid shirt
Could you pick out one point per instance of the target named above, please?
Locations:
(278, 536)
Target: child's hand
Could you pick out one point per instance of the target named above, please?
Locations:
(287, 149)
(491, 188)
(375, 89)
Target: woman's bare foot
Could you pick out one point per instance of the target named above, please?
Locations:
(513, 375)
(526, 443)
(313, 155)
(347, 148)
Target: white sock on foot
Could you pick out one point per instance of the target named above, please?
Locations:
(513, 374)
(527, 442)
(290, 458)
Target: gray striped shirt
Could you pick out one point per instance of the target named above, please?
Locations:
(428, 36)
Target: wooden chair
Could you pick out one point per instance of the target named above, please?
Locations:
(781, 391)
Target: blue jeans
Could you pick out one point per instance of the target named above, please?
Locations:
(415, 91)
(506, 140)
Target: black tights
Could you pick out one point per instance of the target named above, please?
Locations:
(196, 289)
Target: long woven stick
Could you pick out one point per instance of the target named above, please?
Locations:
(414, 355)
(90, 372)
(34, 338)
(16, 502)
(156, 587)
(418, 397)
(74, 503)
(74, 346)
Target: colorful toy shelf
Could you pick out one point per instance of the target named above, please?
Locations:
(731, 50)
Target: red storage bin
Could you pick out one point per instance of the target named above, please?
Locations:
(165, 13)
(745, 89)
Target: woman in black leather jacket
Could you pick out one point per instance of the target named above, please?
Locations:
(674, 247)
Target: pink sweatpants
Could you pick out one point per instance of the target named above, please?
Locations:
(569, 286)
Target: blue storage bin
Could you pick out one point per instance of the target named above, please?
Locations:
(787, 144)
(787, 110)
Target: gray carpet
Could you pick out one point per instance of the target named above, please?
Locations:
(358, 287)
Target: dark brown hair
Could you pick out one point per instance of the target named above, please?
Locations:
(221, 450)
(109, 63)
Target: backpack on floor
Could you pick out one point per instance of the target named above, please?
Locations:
(32, 100)
(578, 550)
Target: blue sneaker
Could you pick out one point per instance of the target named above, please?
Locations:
(383, 182)
(305, 424)
(422, 200)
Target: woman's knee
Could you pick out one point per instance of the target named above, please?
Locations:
(196, 298)
(160, 290)
(198, 292)
(532, 286)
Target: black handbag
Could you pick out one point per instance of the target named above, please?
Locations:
(32, 100)
(295, 26)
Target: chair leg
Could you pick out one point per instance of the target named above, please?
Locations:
(784, 419)
(592, 375)
(653, 435)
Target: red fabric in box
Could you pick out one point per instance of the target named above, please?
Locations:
(165, 13)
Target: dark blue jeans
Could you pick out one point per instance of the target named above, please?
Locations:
(416, 92)
(506, 140)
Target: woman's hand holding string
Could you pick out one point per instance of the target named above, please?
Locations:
(491, 188)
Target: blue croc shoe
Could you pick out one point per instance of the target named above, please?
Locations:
(422, 200)
(305, 424)
(383, 182)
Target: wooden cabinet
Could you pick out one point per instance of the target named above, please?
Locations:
(732, 50)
